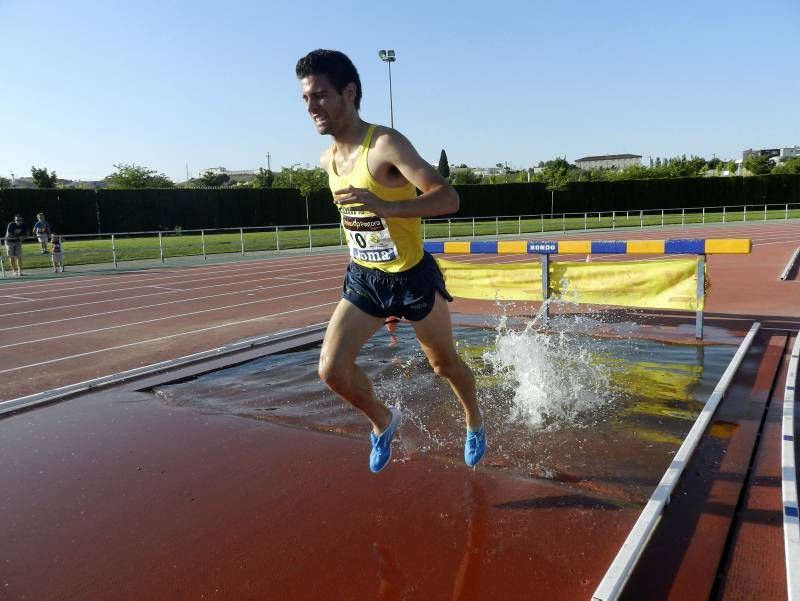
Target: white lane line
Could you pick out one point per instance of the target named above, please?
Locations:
(146, 321)
(176, 279)
(189, 278)
(150, 295)
(16, 297)
(173, 302)
(171, 336)
(166, 288)
(137, 278)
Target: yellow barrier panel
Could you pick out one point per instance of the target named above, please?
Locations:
(456, 247)
(646, 247)
(664, 284)
(575, 247)
(732, 246)
(512, 247)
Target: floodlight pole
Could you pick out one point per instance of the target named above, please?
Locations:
(388, 57)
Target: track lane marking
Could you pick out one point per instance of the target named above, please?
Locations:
(115, 299)
(171, 336)
(180, 315)
(172, 302)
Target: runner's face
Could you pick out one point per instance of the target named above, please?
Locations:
(327, 108)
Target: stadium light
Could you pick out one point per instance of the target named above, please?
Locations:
(388, 57)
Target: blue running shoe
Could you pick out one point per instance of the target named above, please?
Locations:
(475, 445)
(382, 445)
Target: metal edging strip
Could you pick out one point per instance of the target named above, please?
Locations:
(56, 394)
(625, 561)
(791, 521)
(788, 269)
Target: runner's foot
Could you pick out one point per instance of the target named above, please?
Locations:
(475, 445)
(382, 444)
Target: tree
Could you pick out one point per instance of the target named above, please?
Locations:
(444, 167)
(307, 181)
(214, 180)
(4, 183)
(788, 166)
(758, 164)
(263, 178)
(556, 175)
(130, 177)
(465, 175)
(42, 179)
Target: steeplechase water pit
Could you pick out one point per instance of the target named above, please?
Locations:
(600, 413)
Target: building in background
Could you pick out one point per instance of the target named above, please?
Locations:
(238, 176)
(776, 154)
(608, 161)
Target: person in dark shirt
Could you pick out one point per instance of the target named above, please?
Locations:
(15, 232)
(42, 231)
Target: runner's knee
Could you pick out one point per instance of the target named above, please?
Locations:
(333, 373)
(446, 367)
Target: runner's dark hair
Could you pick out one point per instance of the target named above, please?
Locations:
(335, 65)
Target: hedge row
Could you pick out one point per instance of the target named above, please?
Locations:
(105, 211)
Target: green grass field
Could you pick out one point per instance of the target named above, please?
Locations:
(98, 249)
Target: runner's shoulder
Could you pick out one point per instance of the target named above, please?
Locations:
(325, 159)
(390, 143)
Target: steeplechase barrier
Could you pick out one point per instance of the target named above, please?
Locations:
(666, 284)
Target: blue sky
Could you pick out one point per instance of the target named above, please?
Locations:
(90, 84)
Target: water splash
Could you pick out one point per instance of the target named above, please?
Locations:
(558, 378)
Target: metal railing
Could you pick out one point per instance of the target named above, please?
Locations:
(119, 247)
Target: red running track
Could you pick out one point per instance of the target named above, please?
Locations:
(113, 496)
(63, 331)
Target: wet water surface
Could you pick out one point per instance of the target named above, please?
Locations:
(602, 414)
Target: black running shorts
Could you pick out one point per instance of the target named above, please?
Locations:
(409, 294)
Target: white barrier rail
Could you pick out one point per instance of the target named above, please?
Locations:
(628, 556)
(791, 522)
(790, 265)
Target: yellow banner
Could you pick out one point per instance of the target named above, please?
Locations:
(663, 284)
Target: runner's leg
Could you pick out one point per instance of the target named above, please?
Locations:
(435, 334)
(348, 330)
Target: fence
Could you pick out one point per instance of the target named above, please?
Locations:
(116, 248)
(107, 210)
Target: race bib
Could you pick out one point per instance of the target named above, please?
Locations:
(368, 238)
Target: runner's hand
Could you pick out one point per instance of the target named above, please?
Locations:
(363, 199)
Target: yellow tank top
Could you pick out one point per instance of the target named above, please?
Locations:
(391, 244)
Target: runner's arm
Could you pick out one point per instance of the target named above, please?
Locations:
(438, 196)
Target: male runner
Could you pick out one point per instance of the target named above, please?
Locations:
(374, 173)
